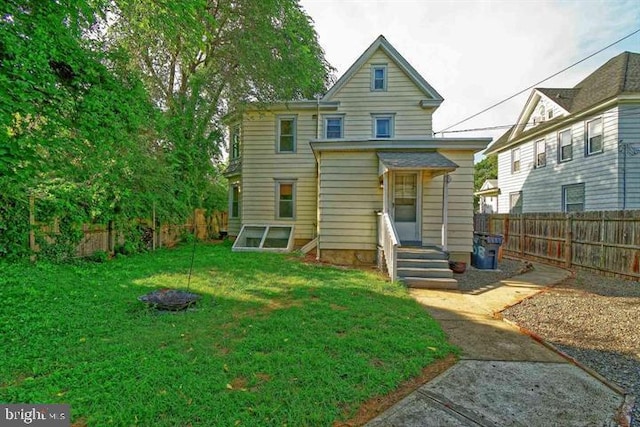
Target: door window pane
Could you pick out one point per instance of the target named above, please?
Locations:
(405, 198)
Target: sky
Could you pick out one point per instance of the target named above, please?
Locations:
(477, 53)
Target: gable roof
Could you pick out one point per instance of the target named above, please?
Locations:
(490, 183)
(619, 75)
(561, 96)
(382, 43)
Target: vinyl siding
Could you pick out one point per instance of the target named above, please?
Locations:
(542, 187)
(402, 98)
(513, 182)
(262, 166)
(460, 206)
(349, 195)
(629, 131)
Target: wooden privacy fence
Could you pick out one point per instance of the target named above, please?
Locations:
(607, 241)
(104, 237)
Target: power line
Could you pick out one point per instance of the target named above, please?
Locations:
(541, 81)
(628, 112)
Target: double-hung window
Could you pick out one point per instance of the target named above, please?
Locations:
(286, 134)
(595, 143)
(383, 126)
(541, 153)
(235, 142)
(285, 199)
(565, 146)
(573, 198)
(515, 160)
(515, 202)
(333, 127)
(379, 78)
(234, 201)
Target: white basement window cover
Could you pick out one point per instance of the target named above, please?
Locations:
(269, 237)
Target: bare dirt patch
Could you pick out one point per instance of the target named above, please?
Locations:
(377, 405)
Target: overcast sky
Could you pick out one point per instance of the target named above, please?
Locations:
(476, 53)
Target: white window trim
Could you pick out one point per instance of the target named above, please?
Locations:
(392, 125)
(564, 196)
(333, 117)
(537, 163)
(385, 70)
(279, 120)
(513, 160)
(278, 183)
(560, 159)
(231, 187)
(588, 151)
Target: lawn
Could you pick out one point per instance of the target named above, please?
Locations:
(273, 341)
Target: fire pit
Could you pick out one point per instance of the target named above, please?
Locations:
(169, 299)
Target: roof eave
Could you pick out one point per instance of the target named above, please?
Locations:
(466, 144)
(565, 121)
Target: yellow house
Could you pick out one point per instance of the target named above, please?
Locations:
(357, 175)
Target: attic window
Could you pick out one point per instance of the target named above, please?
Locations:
(550, 114)
(270, 238)
(379, 78)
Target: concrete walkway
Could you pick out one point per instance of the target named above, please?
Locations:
(504, 377)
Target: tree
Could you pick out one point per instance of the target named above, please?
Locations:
(201, 58)
(76, 133)
(483, 170)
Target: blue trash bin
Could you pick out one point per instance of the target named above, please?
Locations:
(485, 250)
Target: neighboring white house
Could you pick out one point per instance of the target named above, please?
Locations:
(488, 197)
(575, 149)
(357, 173)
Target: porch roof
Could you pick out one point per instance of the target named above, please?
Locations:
(429, 160)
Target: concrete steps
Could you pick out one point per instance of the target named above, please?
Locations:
(425, 268)
(425, 283)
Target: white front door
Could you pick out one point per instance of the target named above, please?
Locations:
(406, 186)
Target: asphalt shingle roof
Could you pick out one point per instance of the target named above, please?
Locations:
(416, 160)
(620, 74)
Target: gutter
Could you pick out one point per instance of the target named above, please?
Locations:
(471, 144)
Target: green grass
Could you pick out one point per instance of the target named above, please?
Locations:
(273, 341)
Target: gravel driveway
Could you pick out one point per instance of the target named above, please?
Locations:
(593, 319)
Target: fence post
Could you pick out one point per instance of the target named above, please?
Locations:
(153, 226)
(568, 242)
(603, 235)
(505, 229)
(32, 224)
(111, 240)
(521, 236)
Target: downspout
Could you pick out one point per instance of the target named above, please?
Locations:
(624, 174)
(445, 209)
(318, 179)
(319, 155)
(317, 116)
